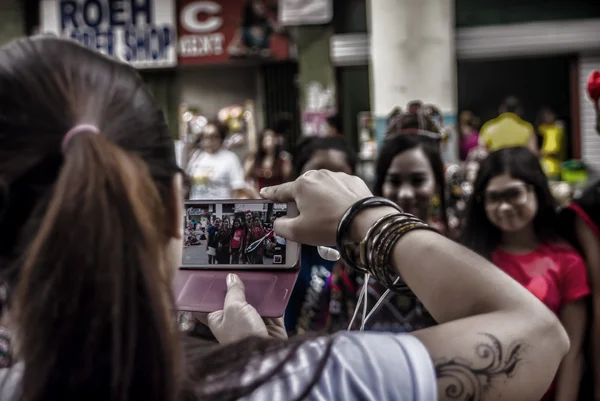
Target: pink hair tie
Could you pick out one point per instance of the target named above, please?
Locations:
(76, 130)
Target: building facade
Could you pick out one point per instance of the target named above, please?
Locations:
(540, 51)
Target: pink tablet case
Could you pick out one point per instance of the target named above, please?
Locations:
(204, 290)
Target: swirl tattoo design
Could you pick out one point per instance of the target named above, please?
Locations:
(469, 379)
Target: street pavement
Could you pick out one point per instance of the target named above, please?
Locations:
(196, 255)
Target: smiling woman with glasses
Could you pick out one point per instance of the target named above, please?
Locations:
(512, 221)
(516, 194)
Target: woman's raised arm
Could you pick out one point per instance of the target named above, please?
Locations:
(495, 341)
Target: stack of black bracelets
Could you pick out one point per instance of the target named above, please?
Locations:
(377, 246)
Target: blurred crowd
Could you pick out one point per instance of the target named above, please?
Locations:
(505, 200)
(494, 276)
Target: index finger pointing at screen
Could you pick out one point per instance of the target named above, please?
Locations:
(280, 193)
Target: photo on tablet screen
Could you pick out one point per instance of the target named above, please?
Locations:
(233, 234)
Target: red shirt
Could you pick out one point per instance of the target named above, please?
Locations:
(236, 240)
(556, 274)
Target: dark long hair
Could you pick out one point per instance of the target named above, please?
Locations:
(261, 153)
(308, 146)
(86, 233)
(250, 17)
(86, 230)
(479, 234)
(397, 141)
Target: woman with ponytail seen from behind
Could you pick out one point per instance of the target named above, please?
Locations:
(87, 167)
(92, 228)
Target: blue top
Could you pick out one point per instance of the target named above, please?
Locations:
(310, 295)
(212, 231)
(324, 299)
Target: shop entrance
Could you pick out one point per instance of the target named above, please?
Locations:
(538, 82)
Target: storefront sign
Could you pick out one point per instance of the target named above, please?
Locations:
(218, 31)
(305, 12)
(138, 32)
(250, 207)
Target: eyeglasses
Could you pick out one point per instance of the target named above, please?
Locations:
(516, 196)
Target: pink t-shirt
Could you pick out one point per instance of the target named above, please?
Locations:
(236, 240)
(556, 274)
(467, 143)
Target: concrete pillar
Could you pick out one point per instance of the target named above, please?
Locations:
(412, 56)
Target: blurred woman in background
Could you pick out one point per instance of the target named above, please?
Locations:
(324, 296)
(469, 136)
(270, 165)
(553, 148)
(223, 242)
(215, 172)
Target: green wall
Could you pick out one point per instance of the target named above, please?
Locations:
(494, 12)
(314, 63)
(162, 84)
(12, 20)
(350, 15)
(353, 98)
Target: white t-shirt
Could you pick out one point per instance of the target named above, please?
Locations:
(215, 176)
(360, 367)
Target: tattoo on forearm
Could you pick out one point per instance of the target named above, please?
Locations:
(468, 379)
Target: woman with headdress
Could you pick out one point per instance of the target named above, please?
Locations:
(409, 172)
(409, 169)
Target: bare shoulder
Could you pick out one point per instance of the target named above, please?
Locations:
(285, 156)
(250, 158)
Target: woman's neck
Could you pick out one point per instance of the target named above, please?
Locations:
(520, 241)
(268, 161)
